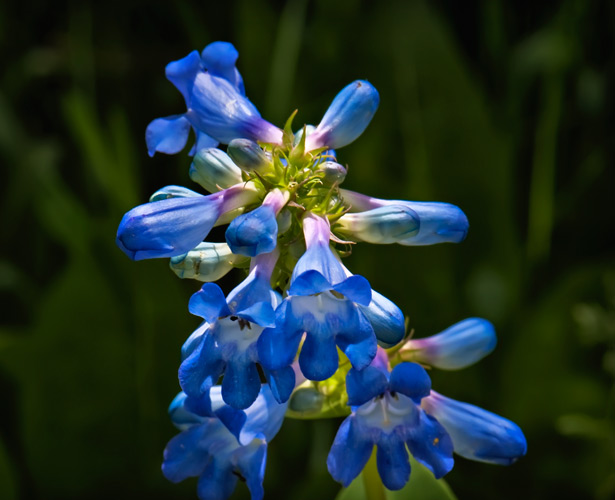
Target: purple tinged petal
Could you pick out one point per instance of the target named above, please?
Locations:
(477, 434)
(167, 135)
(439, 222)
(318, 257)
(410, 379)
(460, 345)
(219, 110)
(392, 461)
(208, 303)
(347, 117)
(350, 452)
(175, 226)
(365, 384)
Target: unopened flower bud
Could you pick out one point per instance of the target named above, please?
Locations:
(207, 262)
(388, 224)
(249, 156)
(347, 117)
(460, 345)
(213, 169)
(173, 192)
(334, 173)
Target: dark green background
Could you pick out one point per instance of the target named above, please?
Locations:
(503, 108)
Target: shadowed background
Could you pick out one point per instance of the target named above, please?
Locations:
(501, 108)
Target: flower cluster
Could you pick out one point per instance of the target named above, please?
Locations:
(300, 321)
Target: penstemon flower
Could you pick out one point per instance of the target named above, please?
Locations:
(301, 334)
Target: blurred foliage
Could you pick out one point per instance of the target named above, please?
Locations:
(501, 108)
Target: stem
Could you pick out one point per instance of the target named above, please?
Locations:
(541, 203)
(374, 489)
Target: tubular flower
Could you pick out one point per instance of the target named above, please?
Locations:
(322, 303)
(438, 222)
(217, 453)
(460, 345)
(226, 343)
(176, 225)
(217, 108)
(386, 413)
(301, 330)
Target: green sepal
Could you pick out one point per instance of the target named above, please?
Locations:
(287, 134)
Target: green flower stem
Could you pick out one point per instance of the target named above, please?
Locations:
(374, 489)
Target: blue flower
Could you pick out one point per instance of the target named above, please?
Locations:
(226, 343)
(256, 232)
(438, 222)
(460, 345)
(347, 117)
(218, 454)
(175, 225)
(322, 303)
(386, 413)
(217, 108)
(477, 434)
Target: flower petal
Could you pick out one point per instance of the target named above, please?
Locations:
(410, 379)
(366, 384)
(182, 73)
(208, 303)
(347, 117)
(219, 58)
(251, 460)
(460, 345)
(241, 384)
(477, 434)
(168, 227)
(386, 319)
(430, 444)
(167, 135)
(392, 461)
(350, 452)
